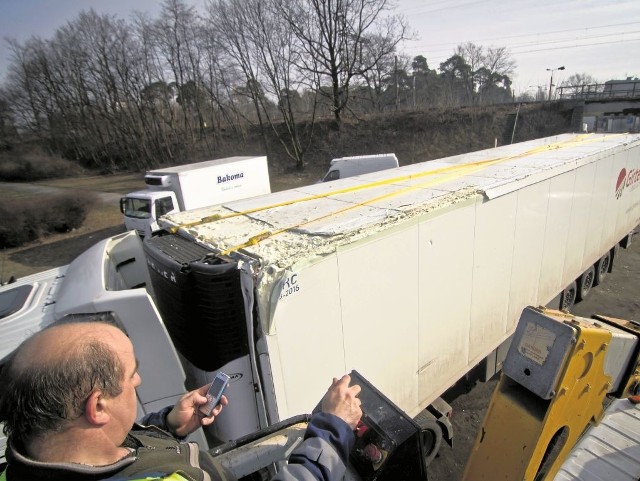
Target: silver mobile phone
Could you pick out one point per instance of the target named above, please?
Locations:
(214, 393)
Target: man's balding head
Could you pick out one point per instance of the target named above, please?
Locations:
(47, 381)
(61, 341)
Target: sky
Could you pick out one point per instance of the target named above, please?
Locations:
(600, 38)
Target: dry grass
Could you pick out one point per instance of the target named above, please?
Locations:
(28, 163)
(117, 183)
(54, 250)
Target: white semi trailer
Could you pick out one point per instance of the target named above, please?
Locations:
(413, 275)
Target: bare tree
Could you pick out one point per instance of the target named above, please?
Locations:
(218, 79)
(177, 39)
(334, 36)
(112, 86)
(579, 85)
(278, 53)
(157, 92)
(499, 60)
(263, 47)
(8, 129)
(83, 92)
(473, 56)
(497, 66)
(578, 80)
(23, 89)
(230, 25)
(382, 80)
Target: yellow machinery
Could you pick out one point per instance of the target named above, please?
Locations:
(556, 380)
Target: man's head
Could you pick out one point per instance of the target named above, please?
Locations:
(82, 372)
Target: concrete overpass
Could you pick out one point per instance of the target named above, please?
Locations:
(613, 106)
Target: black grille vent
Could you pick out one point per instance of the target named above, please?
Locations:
(200, 299)
(153, 180)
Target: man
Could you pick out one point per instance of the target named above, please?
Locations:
(68, 401)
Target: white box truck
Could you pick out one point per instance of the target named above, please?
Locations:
(191, 186)
(359, 164)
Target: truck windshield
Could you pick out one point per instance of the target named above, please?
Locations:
(331, 175)
(13, 300)
(136, 208)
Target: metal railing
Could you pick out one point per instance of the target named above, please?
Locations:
(619, 90)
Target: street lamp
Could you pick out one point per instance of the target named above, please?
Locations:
(551, 81)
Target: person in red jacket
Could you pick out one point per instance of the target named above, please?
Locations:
(68, 402)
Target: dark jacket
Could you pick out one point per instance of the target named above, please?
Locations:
(157, 454)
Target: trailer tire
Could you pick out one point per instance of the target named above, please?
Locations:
(431, 435)
(602, 268)
(568, 298)
(585, 283)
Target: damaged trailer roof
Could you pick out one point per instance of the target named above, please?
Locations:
(313, 220)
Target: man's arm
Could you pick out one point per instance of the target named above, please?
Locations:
(158, 419)
(329, 437)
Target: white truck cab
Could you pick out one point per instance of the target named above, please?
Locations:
(143, 208)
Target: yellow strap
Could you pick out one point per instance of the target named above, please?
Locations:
(451, 172)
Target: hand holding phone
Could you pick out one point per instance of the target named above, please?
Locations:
(214, 393)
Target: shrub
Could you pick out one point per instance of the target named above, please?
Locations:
(34, 218)
(34, 165)
(12, 229)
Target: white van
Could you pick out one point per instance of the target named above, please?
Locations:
(359, 164)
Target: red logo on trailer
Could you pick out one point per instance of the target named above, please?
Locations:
(626, 180)
(620, 183)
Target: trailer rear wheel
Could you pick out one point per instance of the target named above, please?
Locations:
(602, 268)
(568, 297)
(431, 435)
(585, 283)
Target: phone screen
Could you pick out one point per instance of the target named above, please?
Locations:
(216, 387)
(215, 393)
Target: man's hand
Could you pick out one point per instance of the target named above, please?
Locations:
(185, 417)
(342, 401)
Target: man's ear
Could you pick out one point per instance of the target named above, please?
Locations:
(95, 409)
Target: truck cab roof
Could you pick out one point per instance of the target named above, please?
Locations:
(149, 194)
(199, 165)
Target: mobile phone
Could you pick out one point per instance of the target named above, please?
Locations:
(214, 393)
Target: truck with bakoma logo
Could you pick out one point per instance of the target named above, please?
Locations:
(191, 186)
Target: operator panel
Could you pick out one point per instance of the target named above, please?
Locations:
(388, 442)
